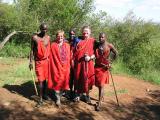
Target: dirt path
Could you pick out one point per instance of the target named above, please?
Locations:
(139, 100)
(136, 103)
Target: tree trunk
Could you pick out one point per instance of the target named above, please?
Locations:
(6, 39)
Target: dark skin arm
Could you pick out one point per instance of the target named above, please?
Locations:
(114, 51)
(32, 53)
(113, 57)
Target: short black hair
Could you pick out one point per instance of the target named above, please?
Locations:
(42, 25)
(73, 29)
(102, 33)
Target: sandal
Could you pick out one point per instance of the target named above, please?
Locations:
(76, 99)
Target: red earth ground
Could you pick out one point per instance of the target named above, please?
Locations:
(138, 100)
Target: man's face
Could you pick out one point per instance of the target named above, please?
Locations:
(102, 38)
(60, 37)
(43, 29)
(72, 35)
(86, 32)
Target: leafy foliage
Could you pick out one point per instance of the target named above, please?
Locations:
(137, 40)
(132, 37)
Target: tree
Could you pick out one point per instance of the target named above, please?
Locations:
(8, 19)
(27, 15)
(132, 37)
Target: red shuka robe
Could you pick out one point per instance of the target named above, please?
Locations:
(101, 73)
(84, 71)
(41, 60)
(59, 67)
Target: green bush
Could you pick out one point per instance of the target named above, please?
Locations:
(15, 50)
(132, 38)
(118, 67)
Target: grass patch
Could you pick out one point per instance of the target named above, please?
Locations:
(14, 71)
(152, 76)
(8, 61)
(112, 93)
(22, 71)
(119, 67)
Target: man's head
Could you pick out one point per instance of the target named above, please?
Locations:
(102, 37)
(71, 34)
(43, 28)
(60, 36)
(86, 32)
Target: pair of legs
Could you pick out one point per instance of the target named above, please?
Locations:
(58, 94)
(71, 84)
(43, 90)
(86, 97)
(100, 98)
(58, 97)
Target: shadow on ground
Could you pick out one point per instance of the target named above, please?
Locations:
(26, 89)
(21, 113)
(146, 108)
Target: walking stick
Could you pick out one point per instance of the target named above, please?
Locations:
(34, 82)
(114, 88)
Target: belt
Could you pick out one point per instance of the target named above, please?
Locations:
(41, 59)
(100, 65)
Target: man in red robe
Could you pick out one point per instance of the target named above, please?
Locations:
(102, 65)
(84, 65)
(40, 49)
(59, 66)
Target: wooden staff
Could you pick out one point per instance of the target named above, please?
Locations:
(113, 85)
(34, 82)
(114, 88)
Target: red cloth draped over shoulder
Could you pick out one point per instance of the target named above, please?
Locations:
(101, 73)
(59, 67)
(84, 71)
(41, 60)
